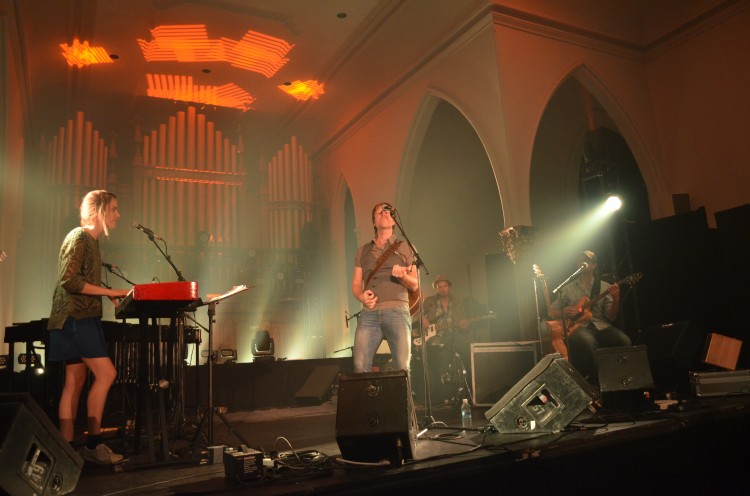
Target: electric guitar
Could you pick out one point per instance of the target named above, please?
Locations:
(434, 329)
(584, 314)
(554, 326)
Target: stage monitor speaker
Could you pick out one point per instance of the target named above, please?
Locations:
(625, 380)
(673, 350)
(317, 387)
(375, 417)
(34, 458)
(548, 398)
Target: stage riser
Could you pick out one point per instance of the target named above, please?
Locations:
(263, 384)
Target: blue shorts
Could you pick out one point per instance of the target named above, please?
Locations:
(77, 339)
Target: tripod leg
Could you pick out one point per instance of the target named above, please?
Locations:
(231, 428)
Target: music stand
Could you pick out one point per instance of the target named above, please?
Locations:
(209, 417)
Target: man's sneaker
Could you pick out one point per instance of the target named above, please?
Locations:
(101, 455)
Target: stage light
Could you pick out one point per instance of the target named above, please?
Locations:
(263, 346)
(613, 203)
(229, 355)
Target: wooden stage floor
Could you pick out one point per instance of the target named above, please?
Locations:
(696, 445)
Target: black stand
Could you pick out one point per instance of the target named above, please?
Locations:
(429, 419)
(563, 302)
(166, 256)
(207, 420)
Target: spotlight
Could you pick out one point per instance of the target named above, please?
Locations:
(263, 346)
(229, 355)
(613, 203)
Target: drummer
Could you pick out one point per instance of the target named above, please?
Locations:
(447, 338)
(443, 311)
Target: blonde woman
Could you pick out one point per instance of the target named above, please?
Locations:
(76, 336)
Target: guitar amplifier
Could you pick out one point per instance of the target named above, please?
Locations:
(497, 367)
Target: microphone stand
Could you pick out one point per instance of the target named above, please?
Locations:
(166, 256)
(563, 301)
(118, 273)
(429, 420)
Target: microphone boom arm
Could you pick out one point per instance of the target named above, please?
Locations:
(570, 278)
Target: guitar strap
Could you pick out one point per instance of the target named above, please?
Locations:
(381, 260)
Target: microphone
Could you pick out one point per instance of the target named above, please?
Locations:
(145, 230)
(110, 266)
(389, 208)
(583, 265)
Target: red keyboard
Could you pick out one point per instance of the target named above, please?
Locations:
(158, 299)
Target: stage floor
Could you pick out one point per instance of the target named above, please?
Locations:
(695, 445)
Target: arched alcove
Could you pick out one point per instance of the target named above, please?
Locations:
(579, 158)
(452, 200)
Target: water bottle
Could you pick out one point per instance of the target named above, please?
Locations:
(466, 415)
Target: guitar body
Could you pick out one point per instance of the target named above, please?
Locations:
(434, 329)
(557, 340)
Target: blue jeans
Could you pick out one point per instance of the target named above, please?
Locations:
(391, 324)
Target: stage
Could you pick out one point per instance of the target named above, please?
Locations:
(699, 448)
(296, 414)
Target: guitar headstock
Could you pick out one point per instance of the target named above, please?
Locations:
(537, 271)
(632, 279)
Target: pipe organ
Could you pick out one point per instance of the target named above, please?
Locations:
(77, 158)
(189, 178)
(289, 195)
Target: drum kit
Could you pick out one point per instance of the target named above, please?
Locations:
(447, 374)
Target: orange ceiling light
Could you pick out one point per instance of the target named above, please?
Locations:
(182, 88)
(303, 90)
(81, 54)
(255, 52)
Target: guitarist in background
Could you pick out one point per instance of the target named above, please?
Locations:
(384, 274)
(589, 326)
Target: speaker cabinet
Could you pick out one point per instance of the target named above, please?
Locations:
(625, 379)
(317, 387)
(673, 350)
(34, 458)
(496, 367)
(546, 399)
(375, 418)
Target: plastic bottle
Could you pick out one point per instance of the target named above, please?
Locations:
(466, 422)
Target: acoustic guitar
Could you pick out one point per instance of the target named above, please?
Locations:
(554, 326)
(583, 316)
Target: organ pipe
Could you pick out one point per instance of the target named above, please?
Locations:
(192, 173)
